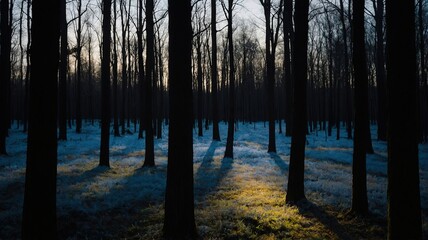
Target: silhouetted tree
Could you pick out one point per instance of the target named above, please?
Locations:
(114, 72)
(288, 76)
(105, 86)
(359, 176)
(150, 65)
(271, 41)
(179, 203)
(141, 69)
(39, 211)
(214, 70)
(404, 206)
(380, 70)
(231, 122)
(295, 189)
(4, 73)
(62, 86)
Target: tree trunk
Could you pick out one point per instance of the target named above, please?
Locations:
(62, 117)
(214, 70)
(404, 206)
(105, 86)
(39, 211)
(179, 220)
(295, 189)
(359, 176)
(79, 68)
(124, 67)
(115, 102)
(150, 155)
(141, 69)
(288, 28)
(380, 72)
(231, 123)
(4, 73)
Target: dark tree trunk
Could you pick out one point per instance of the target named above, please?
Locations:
(214, 71)
(380, 71)
(179, 201)
(231, 123)
(124, 67)
(295, 189)
(105, 86)
(346, 82)
(115, 110)
(199, 78)
(288, 29)
(150, 155)
(270, 75)
(39, 211)
(62, 117)
(359, 176)
(141, 69)
(4, 73)
(404, 206)
(27, 72)
(79, 68)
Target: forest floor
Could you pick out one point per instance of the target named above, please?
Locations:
(240, 198)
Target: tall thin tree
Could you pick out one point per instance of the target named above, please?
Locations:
(4, 73)
(150, 65)
(404, 206)
(62, 106)
(179, 200)
(214, 70)
(105, 86)
(39, 211)
(231, 122)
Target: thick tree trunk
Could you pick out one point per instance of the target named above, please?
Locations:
(404, 206)
(105, 86)
(39, 211)
(124, 67)
(295, 188)
(359, 176)
(179, 220)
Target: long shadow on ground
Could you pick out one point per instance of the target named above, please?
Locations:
(210, 174)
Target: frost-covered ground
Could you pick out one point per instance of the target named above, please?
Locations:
(241, 197)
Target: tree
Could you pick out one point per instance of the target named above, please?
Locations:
(114, 72)
(150, 65)
(231, 123)
(5, 70)
(380, 70)
(39, 212)
(271, 41)
(105, 85)
(404, 206)
(288, 33)
(124, 65)
(179, 200)
(214, 71)
(62, 86)
(359, 176)
(79, 67)
(141, 68)
(295, 189)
